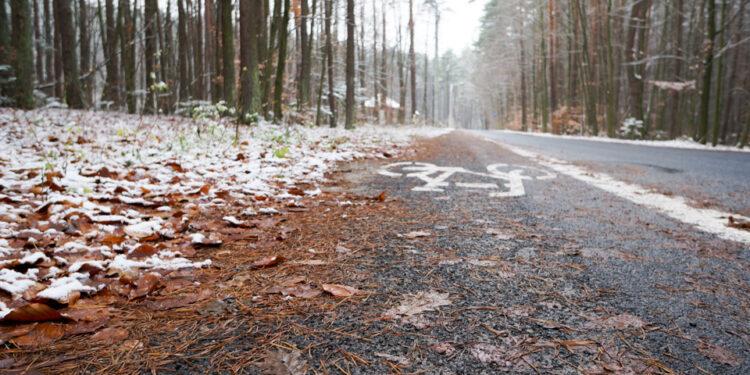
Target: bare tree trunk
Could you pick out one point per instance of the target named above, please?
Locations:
(49, 46)
(329, 62)
(5, 47)
(128, 54)
(83, 19)
(22, 53)
(719, 76)
(303, 80)
(64, 18)
(251, 15)
(733, 78)
(384, 63)
(227, 45)
(113, 64)
(524, 119)
(4, 41)
(199, 91)
(150, 53)
(708, 71)
(350, 25)
(675, 126)
(278, 89)
(182, 40)
(412, 61)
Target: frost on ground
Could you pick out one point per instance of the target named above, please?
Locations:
(88, 199)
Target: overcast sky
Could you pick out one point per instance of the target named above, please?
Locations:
(460, 25)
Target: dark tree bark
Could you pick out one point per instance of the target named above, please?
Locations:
(127, 53)
(22, 53)
(227, 34)
(278, 89)
(267, 101)
(184, 89)
(412, 61)
(350, 24)
(211, 45)
(523, 78)
(303, 80)
(705, 102)
(64, 17)
(5, 47)
(39, 61)
(199, 91)
(49, 49)
(251, 16)
(675, 126)
(633, 54)
(85, 45)
(329, 62)
(150, 52)
(113, 64)
(59, 89)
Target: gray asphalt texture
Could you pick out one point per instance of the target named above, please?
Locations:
(717, 179)
(573, 257)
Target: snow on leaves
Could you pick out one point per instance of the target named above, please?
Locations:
(115, 211)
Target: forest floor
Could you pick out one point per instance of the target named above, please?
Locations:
(473, 260)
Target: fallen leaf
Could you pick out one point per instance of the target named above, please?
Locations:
(33, 312)
(145, 285)
(301, 291)
(284, 363)
(380, 197)
(418, 303)
(719, 354)
(143, 251)
(109, 336)
(267, 261)
(42, 334)
(341, 291)
(738, 223)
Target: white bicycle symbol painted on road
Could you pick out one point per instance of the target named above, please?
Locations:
(436, 178)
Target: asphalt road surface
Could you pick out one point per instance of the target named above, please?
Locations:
(717, 179)
(482, 260)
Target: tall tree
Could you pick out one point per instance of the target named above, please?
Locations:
(22, 53)
(329, 63)
(39, 67)
(719, 76)
(412, 61)
(278, 89)
(184, 89)
(227, 45)
(303, 79)
(675, 126)
(5, 48)
(149, 32)
(64, 17)
(111, 92)
(350, 24)
(522, 69)
(127, 51)
(251, 16)
(705, 100)
(49, 49)
(85, 47)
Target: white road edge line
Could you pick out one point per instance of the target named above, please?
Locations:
(707, 220)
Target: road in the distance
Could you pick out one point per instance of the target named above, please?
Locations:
(710, 178)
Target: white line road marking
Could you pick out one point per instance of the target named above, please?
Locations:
(436, 178)
(707, 220)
